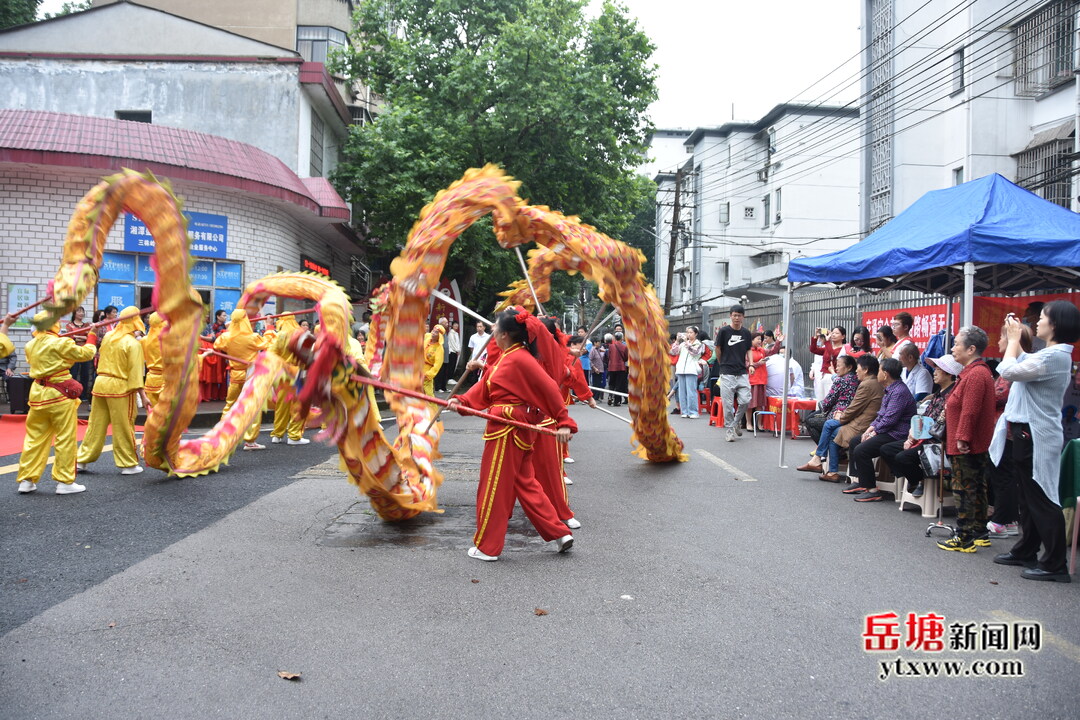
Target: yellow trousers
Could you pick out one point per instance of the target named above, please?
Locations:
(120, 413)
(252, 433)
(286, 419)
(153, 386)
(57, 420)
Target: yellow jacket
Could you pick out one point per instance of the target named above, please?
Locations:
(151, 345)
(6, 346)
(51, 356)
(241, 342)
(280, 345)
(120, 365)
(433, 352)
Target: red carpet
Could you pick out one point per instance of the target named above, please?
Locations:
(13, 429)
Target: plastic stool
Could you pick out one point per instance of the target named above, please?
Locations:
(764, 412)
(716, 413)
(702, 401)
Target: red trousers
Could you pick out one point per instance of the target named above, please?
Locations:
(548, 468)
(506, 476)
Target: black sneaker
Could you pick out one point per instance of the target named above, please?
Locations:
(982, 540)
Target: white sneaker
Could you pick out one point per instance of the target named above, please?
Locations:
(275, 440)
(80, 467)
(254, 446)
(63, 489)
(301, 441)
(573, 524)
(568, 460)
(133, 470)
(566, 480)
(565, 543)
(730, 436)
(474, 552)
(27, 487)
(685, 415)
(695, 416)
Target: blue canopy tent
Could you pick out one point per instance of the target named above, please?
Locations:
(1016, 241)
(984, 235)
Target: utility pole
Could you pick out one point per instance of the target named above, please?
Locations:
(674, 242)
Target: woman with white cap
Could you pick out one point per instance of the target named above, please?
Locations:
(903, 455)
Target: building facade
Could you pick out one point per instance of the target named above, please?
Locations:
(244, 131)
(956, 92)
(752, 195)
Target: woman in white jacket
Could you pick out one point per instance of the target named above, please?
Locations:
(689, 349)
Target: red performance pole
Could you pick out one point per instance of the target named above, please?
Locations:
(439, 401)
(285, 314)
(88, 328)
(20, 311)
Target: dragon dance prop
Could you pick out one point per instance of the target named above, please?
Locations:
(399, 477)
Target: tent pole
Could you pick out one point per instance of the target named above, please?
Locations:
(967, 311)
(787, 370)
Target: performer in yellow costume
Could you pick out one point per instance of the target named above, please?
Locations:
(119, 380)
(51, 412)
(240, 341)
(433, 357)
(151, 345)
(6, 346)
(356, 352)
(286, 418)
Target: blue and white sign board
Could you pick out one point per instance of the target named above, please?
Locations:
(115, 266)
(228, 275)
(146, 270)
(202, 273)
(226, 300)
(119, 295)
(209, 234)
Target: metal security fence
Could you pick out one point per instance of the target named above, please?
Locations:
(825, 308)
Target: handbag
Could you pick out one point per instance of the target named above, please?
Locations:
(932, 460)
(937, 430)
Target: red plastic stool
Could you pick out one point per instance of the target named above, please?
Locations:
(716, 413)
(702, 402)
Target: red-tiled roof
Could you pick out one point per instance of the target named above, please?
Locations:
(48, 138)
(324, 193)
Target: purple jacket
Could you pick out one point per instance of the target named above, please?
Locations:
(897, 407)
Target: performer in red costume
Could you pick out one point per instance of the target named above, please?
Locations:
(517, 386)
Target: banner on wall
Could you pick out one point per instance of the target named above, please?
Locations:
(929, 321)
(119, 295)
(988, 313)
(441, 308)
(209, 234)
(226, 299)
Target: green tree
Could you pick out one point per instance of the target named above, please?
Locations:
(17, 12)
(555, 98)
(70, 8)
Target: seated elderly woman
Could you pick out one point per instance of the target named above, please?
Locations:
(858, 415)
(903, 455)
(844, 386)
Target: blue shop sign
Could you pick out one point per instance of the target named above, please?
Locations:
(146, 270)
(229, 275)
(226, 300)
(115, 266)
(202, 273)
(209, 234)
(119, 295)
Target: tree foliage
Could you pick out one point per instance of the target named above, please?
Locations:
(555, 98)
(17, 12)
(70, 8)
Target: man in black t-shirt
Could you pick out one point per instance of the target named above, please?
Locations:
(733, 348)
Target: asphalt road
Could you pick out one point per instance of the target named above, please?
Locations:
(722, 587)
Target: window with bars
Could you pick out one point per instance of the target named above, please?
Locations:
(314, 42)
(1046, 170)
(316, 145)
(1044, 48)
